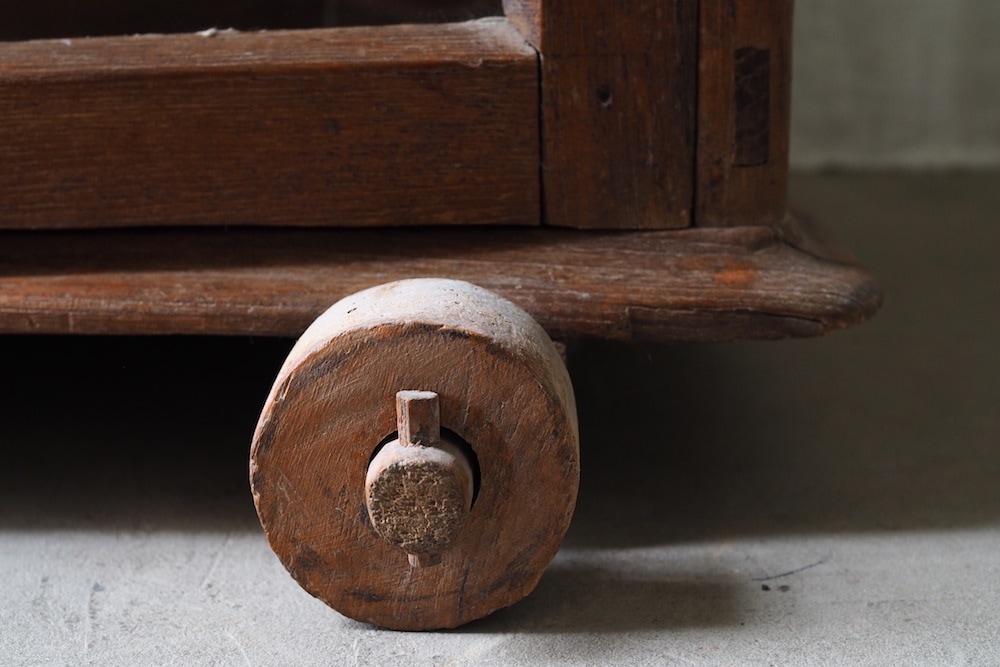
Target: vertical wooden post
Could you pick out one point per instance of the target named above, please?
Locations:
(618, 109)
(744, 83)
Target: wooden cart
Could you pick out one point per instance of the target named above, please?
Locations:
(592, 168)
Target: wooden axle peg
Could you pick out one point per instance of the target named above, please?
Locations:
(418, 418)
(499, 425)
(419, 486)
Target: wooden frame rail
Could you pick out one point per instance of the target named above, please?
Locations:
(590, 114)
(395, 125)
(662, 286)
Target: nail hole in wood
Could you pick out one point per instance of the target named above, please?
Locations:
(604, 97)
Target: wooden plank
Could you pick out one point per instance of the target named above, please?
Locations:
(431, 125)
(682, 285)
(618, 109)
(743, 112)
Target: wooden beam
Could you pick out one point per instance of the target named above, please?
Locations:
(678, 285)
(744, 85)
(399, 125)
(618, 109)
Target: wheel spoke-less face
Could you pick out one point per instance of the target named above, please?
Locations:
(500, 387)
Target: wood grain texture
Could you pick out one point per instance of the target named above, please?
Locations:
(744, 99)
(618, 109)
(350, 127)
(683, 285)
(418, 418)
(502, 389)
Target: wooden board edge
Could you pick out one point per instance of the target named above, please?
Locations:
(681, 285)
(354, 127)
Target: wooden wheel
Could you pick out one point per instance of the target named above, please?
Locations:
(417, 461)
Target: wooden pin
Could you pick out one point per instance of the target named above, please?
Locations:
(419, 487)
(418, 418)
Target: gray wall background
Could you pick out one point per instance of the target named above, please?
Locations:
(896, 83)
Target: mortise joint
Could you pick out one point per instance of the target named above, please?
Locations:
(752, 102)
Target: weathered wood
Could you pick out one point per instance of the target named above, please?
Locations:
(683, 285)
(419, 486)
(352, 127)
(502, 389)
(744, 83)
(618, 109)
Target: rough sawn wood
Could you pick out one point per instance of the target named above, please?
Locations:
(502, 389)
(617, 109)
(680, 285)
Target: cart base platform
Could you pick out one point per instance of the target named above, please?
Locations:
(709, 284)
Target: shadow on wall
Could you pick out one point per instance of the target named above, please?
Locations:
(695, 443)
(105, 433)
(866, 430)
(896, 84)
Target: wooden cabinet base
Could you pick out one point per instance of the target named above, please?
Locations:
(701, 284)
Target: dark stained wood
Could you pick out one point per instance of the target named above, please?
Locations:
(744, 97)
(502, 389)
(348, 127)
(618, 109)
(41, 19)
(52, 19)
(378, 12)
(683, 285)
(752, 107)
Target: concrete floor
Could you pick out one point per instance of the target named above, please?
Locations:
(821, 502)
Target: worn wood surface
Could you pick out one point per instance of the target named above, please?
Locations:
(683, 285)
(744, 79)
(618, 109)
(502, 389)
(41, 19)
(418, 499)
(419, 486)
(353, 127)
